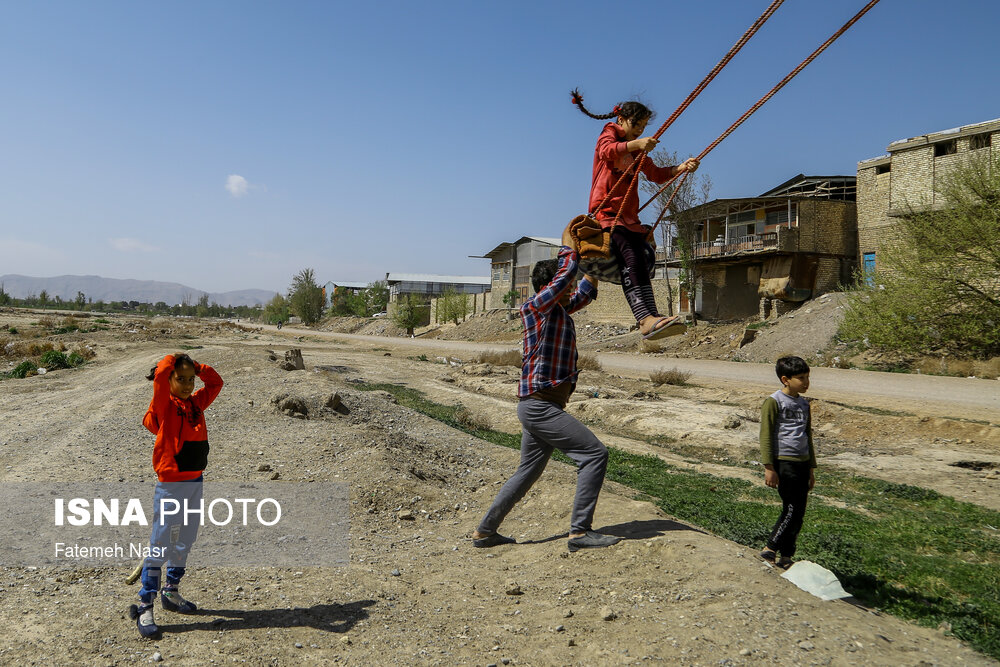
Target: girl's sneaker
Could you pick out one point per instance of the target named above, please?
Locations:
(171, 600)
(143, 617)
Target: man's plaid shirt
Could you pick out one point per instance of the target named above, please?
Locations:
(549, 351)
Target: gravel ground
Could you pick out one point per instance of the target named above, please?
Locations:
(414, 592)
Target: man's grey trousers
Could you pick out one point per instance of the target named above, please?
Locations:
(546, 426)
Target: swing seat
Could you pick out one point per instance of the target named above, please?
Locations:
(594, 245)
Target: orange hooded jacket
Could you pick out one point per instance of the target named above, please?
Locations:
(181, 450)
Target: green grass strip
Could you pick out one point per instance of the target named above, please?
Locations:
(903, 549)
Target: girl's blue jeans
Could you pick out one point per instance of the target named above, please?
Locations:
(172, 537)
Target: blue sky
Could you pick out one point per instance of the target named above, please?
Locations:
(227, 145)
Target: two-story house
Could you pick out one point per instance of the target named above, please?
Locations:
(767, 254)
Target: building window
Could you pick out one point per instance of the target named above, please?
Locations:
(883, 169)
(984, 140)
(777, 217)
(949, 147)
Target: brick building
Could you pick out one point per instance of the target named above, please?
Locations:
(907, 178)
(791, 243)
(511, 263)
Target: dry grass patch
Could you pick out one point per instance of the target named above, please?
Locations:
(505, 358)
(474, 421)
(673, 376)
(588, 362)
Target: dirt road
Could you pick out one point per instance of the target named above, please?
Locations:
(968, 398)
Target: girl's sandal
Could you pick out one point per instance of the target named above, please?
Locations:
(768, 556)
(784, 562)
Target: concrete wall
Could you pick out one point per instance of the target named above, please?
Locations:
(610, 305)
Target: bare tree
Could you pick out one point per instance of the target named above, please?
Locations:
(675, 231)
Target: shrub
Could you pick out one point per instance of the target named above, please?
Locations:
(505, 358)
(75, 359)
(673, 376)
(54, 359)
(37, 349)
(46, 322)
(23, 369)
(12, 330)
(588, 362)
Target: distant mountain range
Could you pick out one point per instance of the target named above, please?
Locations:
(97, 288)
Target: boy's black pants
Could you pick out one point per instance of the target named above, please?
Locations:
(793, 487)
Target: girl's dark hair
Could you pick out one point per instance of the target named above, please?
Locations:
(790, 367)
(180, 359)
(631, 110)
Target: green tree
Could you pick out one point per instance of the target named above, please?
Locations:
(81, 300)
(201, 309)
(510, 297)
(43, 298)
(305, 297)
(276, 310)
(452, 306)
(4, 296)
(677, 232)
(377, 296)
(937, 284)
(411, 311)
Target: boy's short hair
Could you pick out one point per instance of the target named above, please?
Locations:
(790, 367)
(543, 273)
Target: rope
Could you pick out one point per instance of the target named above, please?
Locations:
(740, 43)
(757, 105)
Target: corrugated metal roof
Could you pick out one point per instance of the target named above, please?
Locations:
(433, 278)
(507, 244)
(349, 284)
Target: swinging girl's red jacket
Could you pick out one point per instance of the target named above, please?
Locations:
(611, 159)
(181, 450)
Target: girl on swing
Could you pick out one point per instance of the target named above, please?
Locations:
(619, 148)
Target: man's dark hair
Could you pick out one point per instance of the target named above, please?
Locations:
(790, 367)
(543, 273)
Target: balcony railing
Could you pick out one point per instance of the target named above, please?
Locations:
(740, 244)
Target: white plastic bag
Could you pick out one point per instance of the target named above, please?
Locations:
(815, 579)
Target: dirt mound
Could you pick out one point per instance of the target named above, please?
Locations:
(491, 326)
(807, 332)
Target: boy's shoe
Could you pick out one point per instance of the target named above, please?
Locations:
(171, 600)
(592, 540)
(784, 562)
(769, 556)
(143, 617)
(493, 540)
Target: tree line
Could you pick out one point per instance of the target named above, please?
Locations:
(200, 308)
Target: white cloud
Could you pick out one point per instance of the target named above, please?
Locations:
(130, 245)
(237, 185)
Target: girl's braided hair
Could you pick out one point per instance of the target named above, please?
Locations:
(631, 110)
(180, 359)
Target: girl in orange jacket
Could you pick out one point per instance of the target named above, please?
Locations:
(176, 415)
